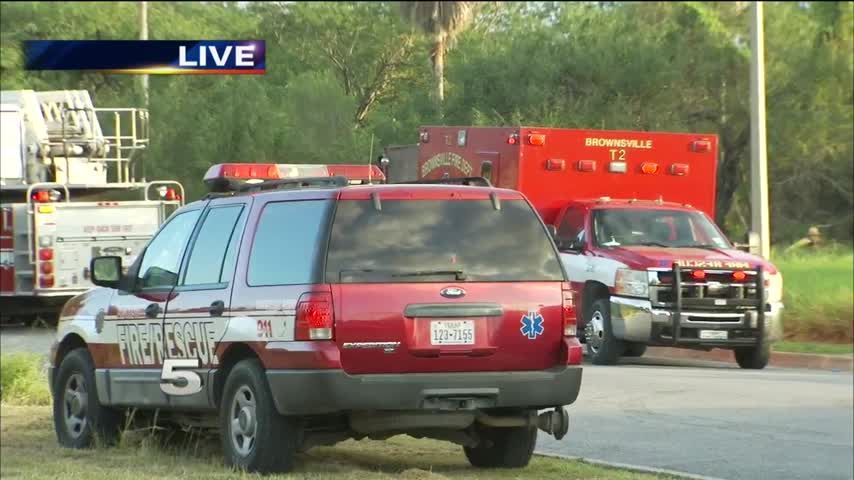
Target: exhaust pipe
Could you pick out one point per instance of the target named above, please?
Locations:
(555, 423)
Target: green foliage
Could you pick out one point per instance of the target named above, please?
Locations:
(340, 73)
(23, 380)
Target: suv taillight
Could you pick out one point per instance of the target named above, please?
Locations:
(315, 318)
(569, 317)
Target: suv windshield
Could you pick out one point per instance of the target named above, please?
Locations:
(439, 240)
(615, 227)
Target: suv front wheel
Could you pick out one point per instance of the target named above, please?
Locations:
(255, 437)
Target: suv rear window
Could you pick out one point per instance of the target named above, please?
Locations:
(430, 240)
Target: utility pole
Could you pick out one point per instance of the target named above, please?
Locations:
(758, 153)
(143, 35)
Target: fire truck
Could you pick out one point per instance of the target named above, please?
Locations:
(68, 192)
(631, 213)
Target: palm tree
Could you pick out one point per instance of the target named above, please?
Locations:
(442, 22)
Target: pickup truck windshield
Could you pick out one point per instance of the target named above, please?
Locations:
(439, 241)
(615, 227)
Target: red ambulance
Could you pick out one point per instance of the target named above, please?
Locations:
(632, 215)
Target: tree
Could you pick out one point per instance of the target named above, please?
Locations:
(442, 22)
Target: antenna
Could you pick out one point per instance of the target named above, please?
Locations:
(370, 159)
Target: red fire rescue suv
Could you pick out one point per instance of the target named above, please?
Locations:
(632, 213)
(68, 192)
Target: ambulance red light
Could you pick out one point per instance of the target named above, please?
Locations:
(513, 139)
(314, 318)
(46, 281)
(47, 267)
(171, 195)
(537, 139)
(680, 169)
(739, 276)
(555, 164)
(42, 196)
(45, 254)
(649, 168)
(701, 146)
(698, 274)
(586, 165)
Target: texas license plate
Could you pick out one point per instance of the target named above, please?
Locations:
(452, 332)
(713, 335)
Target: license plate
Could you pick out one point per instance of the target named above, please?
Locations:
(452, 332)
(713, 335)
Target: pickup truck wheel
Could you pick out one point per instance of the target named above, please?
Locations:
(508, 447)
(635, 349)
(255, 438)
(603, 347)
(754, 358)
(78, 416)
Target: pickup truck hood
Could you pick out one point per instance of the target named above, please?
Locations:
(641, 258)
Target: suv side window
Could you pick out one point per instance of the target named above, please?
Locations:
(162, 258)
(208, 255)
(288, 239)
(572, 227)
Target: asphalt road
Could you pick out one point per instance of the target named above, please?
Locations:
(715, 420)
(697, 417)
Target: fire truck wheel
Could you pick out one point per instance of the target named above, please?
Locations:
(635, 350)
(754, 358)
(506, 447)
(602, 346)
(255, 437)
(78, 416)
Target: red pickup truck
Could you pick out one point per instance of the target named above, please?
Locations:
(289, 312)
(633, 217)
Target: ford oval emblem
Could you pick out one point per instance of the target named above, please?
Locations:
(452, 292)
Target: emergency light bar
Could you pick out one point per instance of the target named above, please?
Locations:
(259, 172)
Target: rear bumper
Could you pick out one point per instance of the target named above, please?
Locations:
(635, 320)
(311, 392)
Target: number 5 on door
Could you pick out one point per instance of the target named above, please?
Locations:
(177, 382)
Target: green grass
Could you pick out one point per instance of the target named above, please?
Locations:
(23, 379)
(29, 450)
(811, 347)
(818, 293)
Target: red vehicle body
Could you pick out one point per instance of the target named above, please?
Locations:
(657, 189)
(311, 310)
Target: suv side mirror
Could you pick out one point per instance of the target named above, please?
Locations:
(106, 271)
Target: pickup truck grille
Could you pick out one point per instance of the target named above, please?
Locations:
(717, 285)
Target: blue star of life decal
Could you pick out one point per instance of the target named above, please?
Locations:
(532, 325)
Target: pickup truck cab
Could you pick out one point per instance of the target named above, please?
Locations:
(292, 312)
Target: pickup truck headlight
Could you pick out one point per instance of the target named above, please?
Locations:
(632, 283)
(774, 292)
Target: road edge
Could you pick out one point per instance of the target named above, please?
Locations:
(810, 361)
(628, 466)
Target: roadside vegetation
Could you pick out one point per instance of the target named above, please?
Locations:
(818, 293)
(29, 449)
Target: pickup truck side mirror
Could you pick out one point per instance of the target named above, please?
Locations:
(106, 271)
(552, 231)
(572, 246)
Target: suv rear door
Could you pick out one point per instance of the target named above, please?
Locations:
(443, 279)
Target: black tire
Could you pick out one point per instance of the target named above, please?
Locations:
(607, 349)
(79, 419)
(274, 438)
(754, 358)
(634, 349)
(509, 447)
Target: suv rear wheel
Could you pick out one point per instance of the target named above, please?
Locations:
(254, 436)
(603, 347)
(508, 447)
(78, 416)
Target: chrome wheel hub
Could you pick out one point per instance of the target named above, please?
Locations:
(75, 402)
(594, 332)
(243, 421)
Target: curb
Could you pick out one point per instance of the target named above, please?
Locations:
(778, 359)
(629, 467)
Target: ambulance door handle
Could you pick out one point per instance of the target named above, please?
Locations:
(152, 310)
(217, 308)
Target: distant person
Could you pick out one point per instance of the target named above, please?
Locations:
(811, 242)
